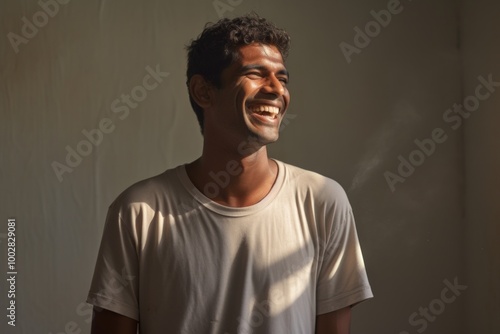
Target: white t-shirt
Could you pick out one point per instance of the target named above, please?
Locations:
(180, 263)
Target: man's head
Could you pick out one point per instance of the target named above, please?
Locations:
(218, 46)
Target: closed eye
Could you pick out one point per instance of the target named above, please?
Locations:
(254, 75)
(283, 80)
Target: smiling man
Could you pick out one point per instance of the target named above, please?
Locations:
(233, 242)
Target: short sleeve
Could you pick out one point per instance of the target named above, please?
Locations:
(116, 277)
(342, 278)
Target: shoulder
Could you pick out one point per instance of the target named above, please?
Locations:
(130, 214)
(321, 188)
(147, 191)
(313, 181)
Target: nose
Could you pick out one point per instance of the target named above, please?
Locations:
(273, 86)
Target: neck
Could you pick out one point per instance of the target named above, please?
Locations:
(233, 179)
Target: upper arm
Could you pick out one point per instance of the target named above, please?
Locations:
(336, 322)
(108, 322)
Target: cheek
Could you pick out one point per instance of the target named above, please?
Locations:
(241, 97)
(251, 87)
(246, 92)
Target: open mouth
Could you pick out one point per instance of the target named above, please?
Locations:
(269, 112)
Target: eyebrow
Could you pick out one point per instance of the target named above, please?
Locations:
(262, 68)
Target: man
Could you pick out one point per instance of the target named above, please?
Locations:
(234, 242)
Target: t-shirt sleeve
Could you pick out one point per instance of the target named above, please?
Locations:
(342, 278)
(116, 277)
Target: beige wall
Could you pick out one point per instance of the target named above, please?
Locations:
(481, 29)
(348, 120)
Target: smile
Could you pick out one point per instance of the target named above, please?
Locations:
(264, 110)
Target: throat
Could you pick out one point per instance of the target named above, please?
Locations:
(238, 185)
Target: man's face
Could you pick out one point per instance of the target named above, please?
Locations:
(253, 97)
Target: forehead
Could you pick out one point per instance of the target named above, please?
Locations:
(261, 54)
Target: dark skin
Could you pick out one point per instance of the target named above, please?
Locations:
(107, 322)
(234, 131)
(257, 78)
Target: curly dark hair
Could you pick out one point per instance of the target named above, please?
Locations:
(217, 47)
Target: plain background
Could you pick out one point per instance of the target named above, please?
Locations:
(348, 120)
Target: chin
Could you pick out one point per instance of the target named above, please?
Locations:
(266, 138)
(255, 141)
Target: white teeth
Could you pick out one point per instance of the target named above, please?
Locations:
(268, 109)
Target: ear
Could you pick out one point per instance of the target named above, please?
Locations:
(201, 91)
